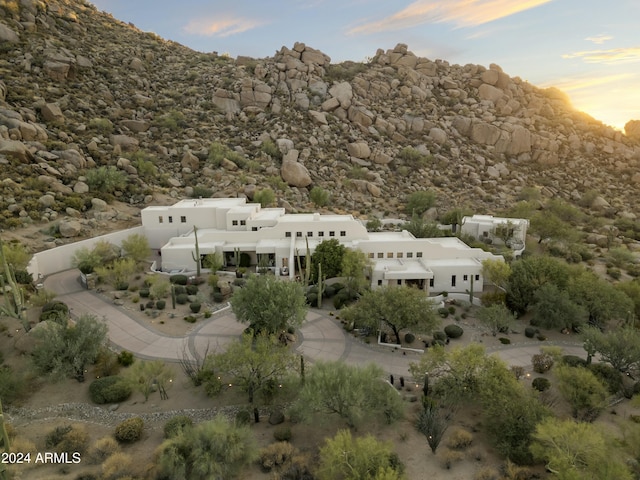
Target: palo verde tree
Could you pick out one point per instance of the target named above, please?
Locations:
(329, 254)
(496, 318)
(136, 247)
(65, 349)
(353, 393)
(354, 266)
(620, 346)
(145, 377)
(554, 308)
(255, 363)
(269, 305)
(396, 307)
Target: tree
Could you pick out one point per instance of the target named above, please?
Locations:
(584, 392)
(213, 450)
(632, 290)
(602, 300)
(374, 224)
(118, 272)
(620, 347)
(213, 261)
(106, 179)
(16, 255)
(496, 318)
(329, 254)
(264, 197)
(147, 376)
(254, 363)
(554, 309)
(420, 228)
(66, 349)
(85, 260)
(396, 307)
(136, 246)
(353, 393)
(354, 266)
(432, 424)
(496, 272)
(270, 305)
(576, 451)
(420, 202)
(549, 226)
(364, 458)
(319, 196)
(529, 274)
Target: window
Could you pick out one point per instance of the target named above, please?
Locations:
(371, 255)
(254, 229)
(299, 234)
(399, 255)
(380, 255)
(332, 234)
(485, 234)
(419, 254)
(183, 219)
(321, 234)
(234, 223)
(287, 234)
(477, 278)
(343, 233)
(409, 254)
(379, 282)
(389, 254)
(453, 280)
(243, 222)
(170, 219)
(160, 219)
(465, 278)
(309, 234)
(431, 282)
(399, 282)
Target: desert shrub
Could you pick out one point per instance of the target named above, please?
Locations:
(574, 361)
(276, 454)
(149, 304)
(191, 289)
(608, 375)
(504, 340)
(144, 293)
(178, 279)
(542, 362)
(56, 311)
(243, 417)
(190, 319)
(109, 390)
(282, 434)
(179, 289)
(489, 299)
(212, 386)
(176, 425)
(541, 384)
(13, 384)
(67, 438)
(182, 299)
(130, 430)
(409, 337)
(486, 473)
(459, 439)
(453, 331)
(55, 436)
(102, 449)
(449, 457)
(118, 466)
(160, 304)
(195, 307)
(23, 445)
(125, 358)
(443, 312)
(106, 363)
(217, 297)
(440, 336)
(312, 298)
(529, 332)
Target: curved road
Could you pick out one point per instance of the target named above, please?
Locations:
(320, 337)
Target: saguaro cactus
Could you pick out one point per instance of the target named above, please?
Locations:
(196, 257)
(6, 446)
(320, 286)
(13, 300)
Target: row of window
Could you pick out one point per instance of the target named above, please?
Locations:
(183, 219)
(343, 233)
(235, 222)
(391, 255)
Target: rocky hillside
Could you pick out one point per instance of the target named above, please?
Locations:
(95, 114)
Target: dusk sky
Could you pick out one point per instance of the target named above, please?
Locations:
(590, 49)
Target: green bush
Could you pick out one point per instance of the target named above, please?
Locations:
(218, 297)
(144, 293)
(493, 298)
(409, 337)
(160, 304)
(541, 384)
(190, 319)
(441, 336)
(130, 430)
(282, 434)
(312, 298)
(182, 298)
(453, 331)
(574, 361)
(443, 312)
(178, 279)
(125, 358)
(542, 362)
(530, 332)
(195, 307)
(112, 389)
(55, 436)
(212, 385)
(56, 311)
(191, 289)
(608, 375)
(504, 341)
(176, 425)
(329, 291)
(179, 289)
(243, 417)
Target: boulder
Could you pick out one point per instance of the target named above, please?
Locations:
(69, 228)
(343, 93)
(276, 417)
(295, 174)
(189, 160)
(16, 149)
(8, 35)
(359, 149)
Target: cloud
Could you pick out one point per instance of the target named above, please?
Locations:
(586, 83)
(599, 39)
(609, 57)
(221, 25)
(461, 13)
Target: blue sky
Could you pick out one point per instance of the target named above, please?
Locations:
(590, 49)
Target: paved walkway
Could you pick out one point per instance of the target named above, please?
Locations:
(320, 337)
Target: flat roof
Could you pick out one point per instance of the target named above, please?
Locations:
(452, 262)
(315, 217)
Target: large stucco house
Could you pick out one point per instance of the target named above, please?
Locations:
(271, 238)
(496, 229)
